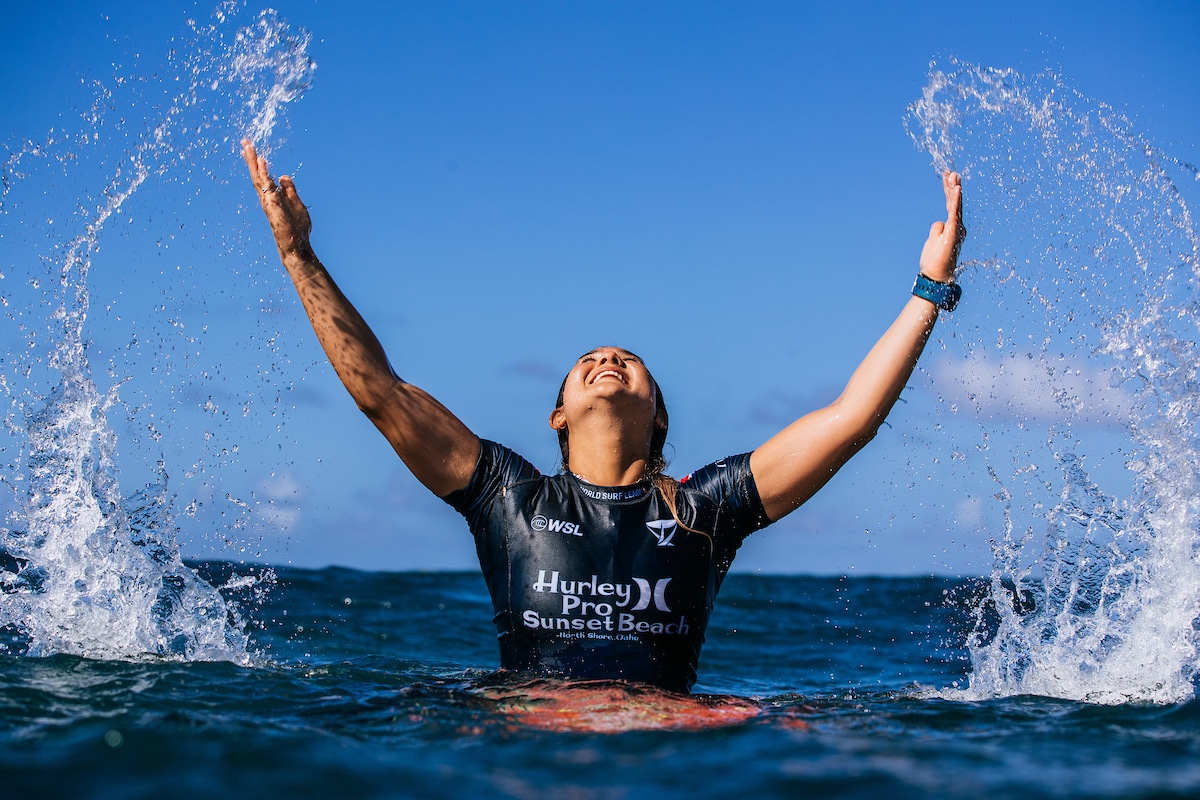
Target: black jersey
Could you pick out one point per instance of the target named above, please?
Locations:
(603, 582)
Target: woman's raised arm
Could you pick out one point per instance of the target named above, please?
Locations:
(791, 466)
(439, 449)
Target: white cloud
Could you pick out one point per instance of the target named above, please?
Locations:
(279, 500)
(1033, 389)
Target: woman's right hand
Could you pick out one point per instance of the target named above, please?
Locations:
(439, 449)
(289, 218)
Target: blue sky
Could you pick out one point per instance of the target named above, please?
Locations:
(725, 188)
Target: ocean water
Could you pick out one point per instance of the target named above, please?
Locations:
(376, 685)
(1070, 393)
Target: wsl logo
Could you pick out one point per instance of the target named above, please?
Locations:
(663, 530)
(540, 523)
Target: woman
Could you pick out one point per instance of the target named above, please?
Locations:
(609, 569)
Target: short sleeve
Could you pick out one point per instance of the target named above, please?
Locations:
(497, 468)
(729, 485)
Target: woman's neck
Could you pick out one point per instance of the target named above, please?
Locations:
(599, 473)
(607, 460)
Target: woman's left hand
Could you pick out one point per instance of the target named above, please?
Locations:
(939, 257)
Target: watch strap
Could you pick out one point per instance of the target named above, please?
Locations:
(942, 295)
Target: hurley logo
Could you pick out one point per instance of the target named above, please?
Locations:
(663, 530)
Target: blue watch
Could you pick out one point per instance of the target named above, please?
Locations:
(942, 295)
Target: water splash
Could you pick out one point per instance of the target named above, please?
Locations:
(271, 63)
(1080, 365)
(83, 569)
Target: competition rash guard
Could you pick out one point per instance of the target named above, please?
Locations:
(602, 582)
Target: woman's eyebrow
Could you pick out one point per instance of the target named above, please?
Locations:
(622, 350)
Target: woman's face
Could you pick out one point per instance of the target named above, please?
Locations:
(608, 376)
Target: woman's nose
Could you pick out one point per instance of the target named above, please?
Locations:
(613, 356)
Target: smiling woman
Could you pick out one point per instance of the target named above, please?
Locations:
(610, 364)
(608, 570)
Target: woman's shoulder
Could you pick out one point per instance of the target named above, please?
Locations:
(719, 477)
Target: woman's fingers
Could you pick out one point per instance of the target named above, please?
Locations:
(258, 166)
(953, 188)
(952, 183)
(294, 205)
(260, 172)
(251, 158)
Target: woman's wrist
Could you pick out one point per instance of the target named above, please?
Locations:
(943, 294)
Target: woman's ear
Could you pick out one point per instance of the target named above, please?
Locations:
(660, 419)
(558, 420)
